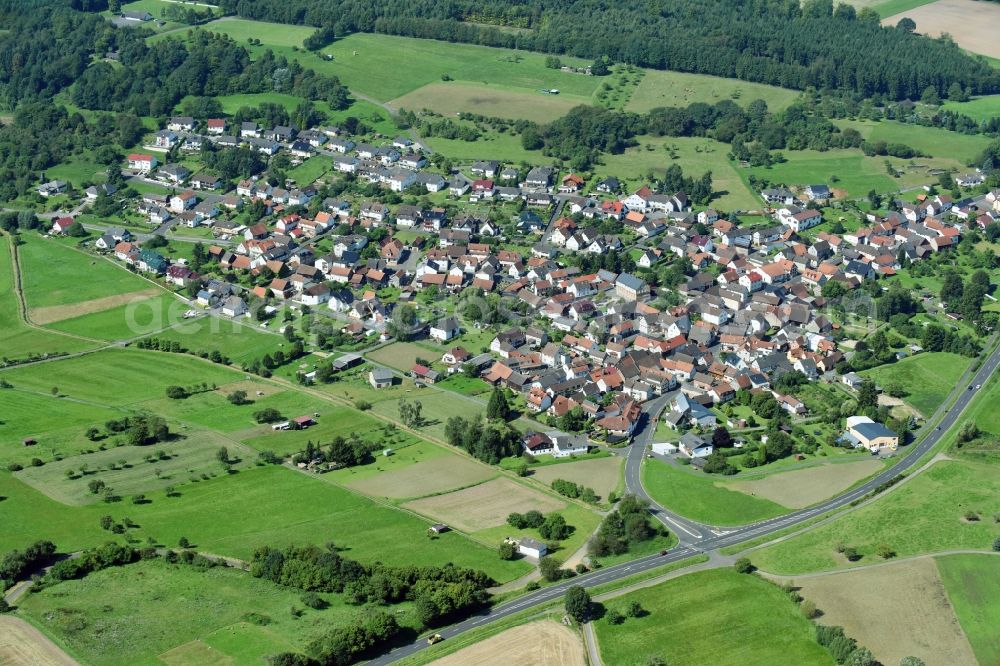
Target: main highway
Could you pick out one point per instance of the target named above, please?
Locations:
(697, 538)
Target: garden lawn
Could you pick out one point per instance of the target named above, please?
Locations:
(973, 585)
(697, 497)
(58, 275)
(923, 515)
(17, 339)
(666, 88)
(712, 617)
(927, 378)
(138, 612)
(311, 169)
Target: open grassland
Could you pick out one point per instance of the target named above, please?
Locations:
(534, 644)
(403, 355)
(234, 514)
(122, 376)
(800, 488)
(449, 98)
(386, 67)
(333, 422)
(23, 645)
(601, 474)
(26, 415)
(926, 378)
(17, 339)
(417, 470)
(924, 515)
(888, 7)
(932, 141)
(973, 585)
(895, 611)
(139, 612)
(583, 522)
(56, 313)
(712, 617)
(694, 155)
(237, 341)
(311, 169)
(666, 88)
(138, 317)
(700, 497)
(971, 24)
(486, 505)
(491, 145)
(131, 470)
(55, 274)
(980, 108)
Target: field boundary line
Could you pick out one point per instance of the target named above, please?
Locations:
(878, 565)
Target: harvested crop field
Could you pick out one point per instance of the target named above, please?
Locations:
(543, 643)
(23, 645)
(801, 488)
(971, 24)
(486, 505)
(54, 313)
(894, 610)
(450, 98)
(427, 477)
(402, 355)
(601, 474)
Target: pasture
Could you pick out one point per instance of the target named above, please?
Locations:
(484, 506)
(970, 23)
(738, 619)
(801, 488)
(453, 97)
(896, 610)
(56, 313)
(139, 314)
(601, 474)
(926, 514)
(932, 141)
(237, 341)
(403, 355)
(540, 642)
(26, 414)
(979, 108)
(973, 585)
(417, 470)
(138, 612)
(17, 339)
(926, 378)
(79, 277)
(137, 470)
(667, 88)
(701, 497)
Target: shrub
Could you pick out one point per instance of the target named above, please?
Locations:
(852, 554)
(996, 544)
(809, 609)
(313, 600)
(506, 551)
(176, 392)
(257, 618)
(614, 617)
(885, 551)
(744, 565)
(972, 516)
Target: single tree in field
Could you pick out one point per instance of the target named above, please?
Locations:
(497, 408)
(578, 603)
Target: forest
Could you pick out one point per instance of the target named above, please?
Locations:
(779, 42)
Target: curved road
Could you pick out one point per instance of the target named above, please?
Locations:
(695, 537)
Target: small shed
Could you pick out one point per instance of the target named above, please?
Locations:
(532, 548)
(303, 422)
(439, 528)
(664, 448)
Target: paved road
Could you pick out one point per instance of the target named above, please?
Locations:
(707, 539)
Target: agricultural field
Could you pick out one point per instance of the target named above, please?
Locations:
(17, 339)
(403, 355)
(801, 488)
(485, 505)
(132, 471)
(141, 314)
(926, 514)
(701, 497)
(969, 23)
(237, 341)
(666, 88)
(926, 378)
(979, 108)
(973, 585)
(888, 7)
(932, 141)
(23, 645)
(453, 97)
(738, 619)
(541, 642)
(81, 277)
(896, 610)
(417, 470)
(601, 474)
(152, 612)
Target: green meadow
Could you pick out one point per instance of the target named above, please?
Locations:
(926, 378)
(979, 108)
(667, 88)
(973, 585)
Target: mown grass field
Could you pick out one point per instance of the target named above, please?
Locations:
(711, 617)
(927, 378)
(698, 497)
(666, 88)
(144, 316)
(980, 108)
(488, 100)
(798, 489)
(311, 169)
(485, 505)
(58, 275)
(973, 585)
(236, 340)
(17, 339)
(924, 515)
(932, 141)
(154, 612)
(234, 514)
